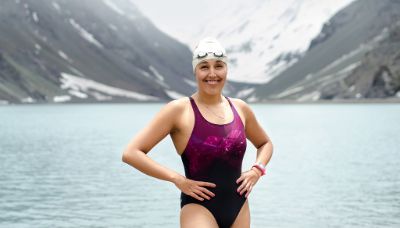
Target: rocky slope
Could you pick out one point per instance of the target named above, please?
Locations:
(87, 51)
(355, 56)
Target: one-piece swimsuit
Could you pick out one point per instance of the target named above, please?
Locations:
(214, 153)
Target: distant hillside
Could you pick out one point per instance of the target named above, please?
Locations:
(87, 51)
(107, 51)
(355, 56)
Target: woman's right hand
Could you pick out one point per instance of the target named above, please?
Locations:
(195, 189)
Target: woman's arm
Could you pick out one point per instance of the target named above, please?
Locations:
(135, 153)
(160, 126)
(259, 138)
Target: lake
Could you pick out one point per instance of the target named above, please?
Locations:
(334, 165)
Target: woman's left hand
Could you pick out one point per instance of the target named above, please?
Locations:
(248, 179)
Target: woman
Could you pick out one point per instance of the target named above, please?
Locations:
(209, 132)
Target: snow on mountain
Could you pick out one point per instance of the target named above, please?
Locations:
(116, 53)
(80, 87)
(265, 37)
(355, 56)
(114, 7)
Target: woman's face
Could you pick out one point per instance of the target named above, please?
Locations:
(211, 76)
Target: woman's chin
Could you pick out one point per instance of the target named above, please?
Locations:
(213, 91)
(211, 88)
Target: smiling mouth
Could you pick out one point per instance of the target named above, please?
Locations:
(212, 81)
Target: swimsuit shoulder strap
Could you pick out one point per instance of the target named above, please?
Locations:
(196, 110)
(235, 113)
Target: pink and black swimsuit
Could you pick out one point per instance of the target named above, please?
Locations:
(214, 153)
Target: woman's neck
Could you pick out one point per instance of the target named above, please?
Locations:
(208, 99)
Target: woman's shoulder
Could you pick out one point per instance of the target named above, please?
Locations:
(177, 105)
(240, 104)
(172, 110)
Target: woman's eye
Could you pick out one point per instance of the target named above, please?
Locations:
(218, 66)
(203, 67)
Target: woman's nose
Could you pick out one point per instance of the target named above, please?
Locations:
(212, 72)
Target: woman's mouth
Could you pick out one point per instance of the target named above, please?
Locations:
(212, 81)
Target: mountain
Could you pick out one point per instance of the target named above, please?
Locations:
(263, 38)
(108, 51)
(87, 51)
(355, 56)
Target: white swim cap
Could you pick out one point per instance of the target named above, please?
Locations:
(208, 48)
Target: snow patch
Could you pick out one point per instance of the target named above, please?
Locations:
(64, 56)
(113, 27)
(245, 92)
(190, 82)
(313, 96)
(4, 102)
(85, 34)
(83, 86)
(76, 71)
(61, 99)
(337, 75)
(78, 94)
(56, 6)
(38, 48)
(174, 95)
(155, 73)
(100, 97)
(253, 99)
(158, 76)
(35, 17)
(114, 7)
(28, 100)
(290, 91)
(344, 58)
(145, 73)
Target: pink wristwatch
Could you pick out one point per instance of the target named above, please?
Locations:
(260, 167)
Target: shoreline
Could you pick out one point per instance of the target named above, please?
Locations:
(344, 101)
(363, 101)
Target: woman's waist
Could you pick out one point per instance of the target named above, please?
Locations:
(221, 179)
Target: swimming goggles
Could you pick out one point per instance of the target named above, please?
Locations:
(217, 54)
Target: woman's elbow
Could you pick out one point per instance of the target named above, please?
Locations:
(128, 154)
(125, 156)
(131, 154)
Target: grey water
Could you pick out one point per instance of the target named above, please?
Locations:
(334, 165)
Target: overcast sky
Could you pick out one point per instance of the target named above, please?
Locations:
(185, 19)
(176, 16)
